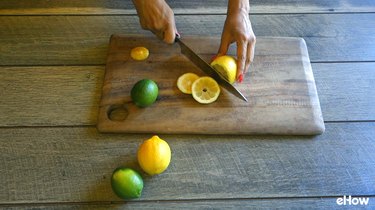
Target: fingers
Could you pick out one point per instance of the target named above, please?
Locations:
(169, 34)
(241, 58)
(224, 45)
(249, 56)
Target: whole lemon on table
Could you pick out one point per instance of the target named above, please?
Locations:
(226, 66)
(126, 183)
(154, 155)
(144, 92)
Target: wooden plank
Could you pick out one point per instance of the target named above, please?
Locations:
(50, 95)
(346, 88)
(75, 40)
(112, 7)
(74, 164)
(284, 203)
(346, 92)
(280, 88)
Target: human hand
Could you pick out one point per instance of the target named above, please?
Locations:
(158, 17)
(237, 28)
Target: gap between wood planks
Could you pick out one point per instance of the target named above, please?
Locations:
(88, 203)
(198, 13)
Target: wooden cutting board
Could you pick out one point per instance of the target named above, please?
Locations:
(280, 88)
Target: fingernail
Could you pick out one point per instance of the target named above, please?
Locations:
(240, 78)
(213, 58)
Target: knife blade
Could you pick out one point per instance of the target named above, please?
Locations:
(206, 68)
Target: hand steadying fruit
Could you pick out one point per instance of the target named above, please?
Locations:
(237, 28)
(158, 17)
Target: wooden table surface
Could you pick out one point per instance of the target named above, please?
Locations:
(52, 59)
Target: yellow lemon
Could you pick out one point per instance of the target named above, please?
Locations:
(205, 90)
(139, 53)
(226, 66)
(154, 155)
(185, 81)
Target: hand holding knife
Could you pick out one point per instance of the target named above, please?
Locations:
(206, 68)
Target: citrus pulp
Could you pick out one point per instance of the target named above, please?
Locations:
(185, 81)
(139, 53)
(226, 66)
(205, 90)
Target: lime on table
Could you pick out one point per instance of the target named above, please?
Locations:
(126, 183)
(226, 66)
(144, 93)
(154, 155)
(205, 90)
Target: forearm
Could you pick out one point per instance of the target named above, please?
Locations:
(235, 6)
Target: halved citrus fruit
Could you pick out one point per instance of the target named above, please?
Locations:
(185, 81)
(205, 90)
(226, 66)
(139, 53)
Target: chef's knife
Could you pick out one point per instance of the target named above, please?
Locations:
(206, 68)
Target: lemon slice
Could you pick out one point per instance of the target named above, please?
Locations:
(205, 90)
(226, 66)
(139, 53)
(185, 81)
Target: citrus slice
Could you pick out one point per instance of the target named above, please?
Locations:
(226, 66)
(185, 81)
(205, 90)
(139, 53)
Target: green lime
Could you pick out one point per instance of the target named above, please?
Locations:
(126, 183)
(144, 92)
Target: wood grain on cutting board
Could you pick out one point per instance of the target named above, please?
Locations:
(280, 88)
